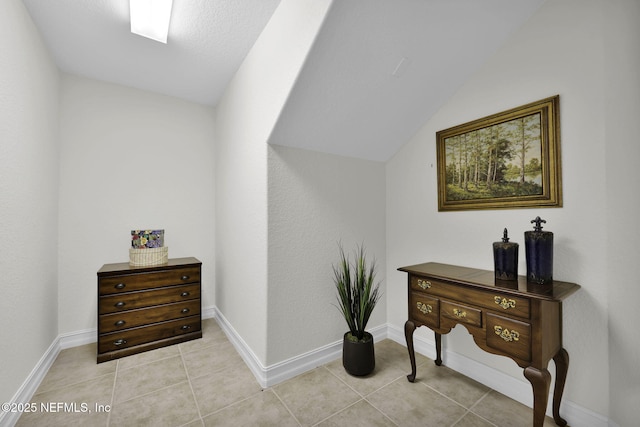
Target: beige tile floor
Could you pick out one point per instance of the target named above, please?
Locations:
(205, 383)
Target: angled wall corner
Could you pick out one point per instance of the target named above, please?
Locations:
(245, 118)
(317, 201)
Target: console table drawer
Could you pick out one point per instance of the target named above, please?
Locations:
(461, 313)
(512, 305)
(141, 281)
(143, 316)
(425, 309)
(132, 300)
(509, 336)
(145, 334)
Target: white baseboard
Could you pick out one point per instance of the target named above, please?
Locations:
(31, 384)
(209, 312)
(282, 371)
(271, 375)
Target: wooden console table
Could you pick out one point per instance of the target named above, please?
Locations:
(520, 320)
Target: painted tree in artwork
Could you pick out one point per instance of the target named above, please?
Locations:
(527, 137)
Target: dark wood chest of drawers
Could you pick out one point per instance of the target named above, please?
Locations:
(143, 308)
(516, 319)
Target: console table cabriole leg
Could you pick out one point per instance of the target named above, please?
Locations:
(561, 360)
(409, 327)
(438, 360)
(540, 381)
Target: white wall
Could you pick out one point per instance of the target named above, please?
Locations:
(245, 118)
(558, 51)
(29, 90)
(315, 201)
(129, 159)
(622, 71)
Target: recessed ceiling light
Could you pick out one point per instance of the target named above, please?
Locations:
(150, 18)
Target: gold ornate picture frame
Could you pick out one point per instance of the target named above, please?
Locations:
(505, 161)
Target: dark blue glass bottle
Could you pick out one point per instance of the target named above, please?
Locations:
(505, 259)
(538, 246)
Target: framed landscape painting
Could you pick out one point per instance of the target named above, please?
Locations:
(504, 161)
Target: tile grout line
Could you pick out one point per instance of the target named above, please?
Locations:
(476, 404)
(460, 419)
(148, 362)
(343, 382)
(447, 397)
(272, 389)
(237, 402)
(193, 393)
(380, 410)
(362, 397)
(153, 391)
(113, 391)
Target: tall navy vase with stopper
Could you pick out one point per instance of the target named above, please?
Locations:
(505, 259)
(538, 246)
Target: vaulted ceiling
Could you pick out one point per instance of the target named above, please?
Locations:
(377, 71)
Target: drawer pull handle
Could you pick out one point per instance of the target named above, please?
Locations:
(120, 304)
(184, 294)
(506, 334)
(459, 313)
(119, 342)
(424, 308)
(120, 286)
(424, 284)
(185, 277)
(120, 323)
(185, 327)
(505, 303)
(185, 310)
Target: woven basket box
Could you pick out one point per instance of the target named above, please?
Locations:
(148, 256)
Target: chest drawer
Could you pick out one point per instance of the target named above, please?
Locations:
(461, 313)
(142, 281)
(512, 305)
(132, 337)
(509, 336)
(140, 299)
(143, 316)
(425, 309)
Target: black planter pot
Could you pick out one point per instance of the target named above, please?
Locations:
(358, 357)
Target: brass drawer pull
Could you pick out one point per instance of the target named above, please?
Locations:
(120, 323)
(184, 294)
(119, 342)
(184, 278)
(120, 286)
(506, 334)
(505, 303)
(119, 304)
(459, 313)
(424, 284)
(424, 308)
(184, 310)
(186, 327)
